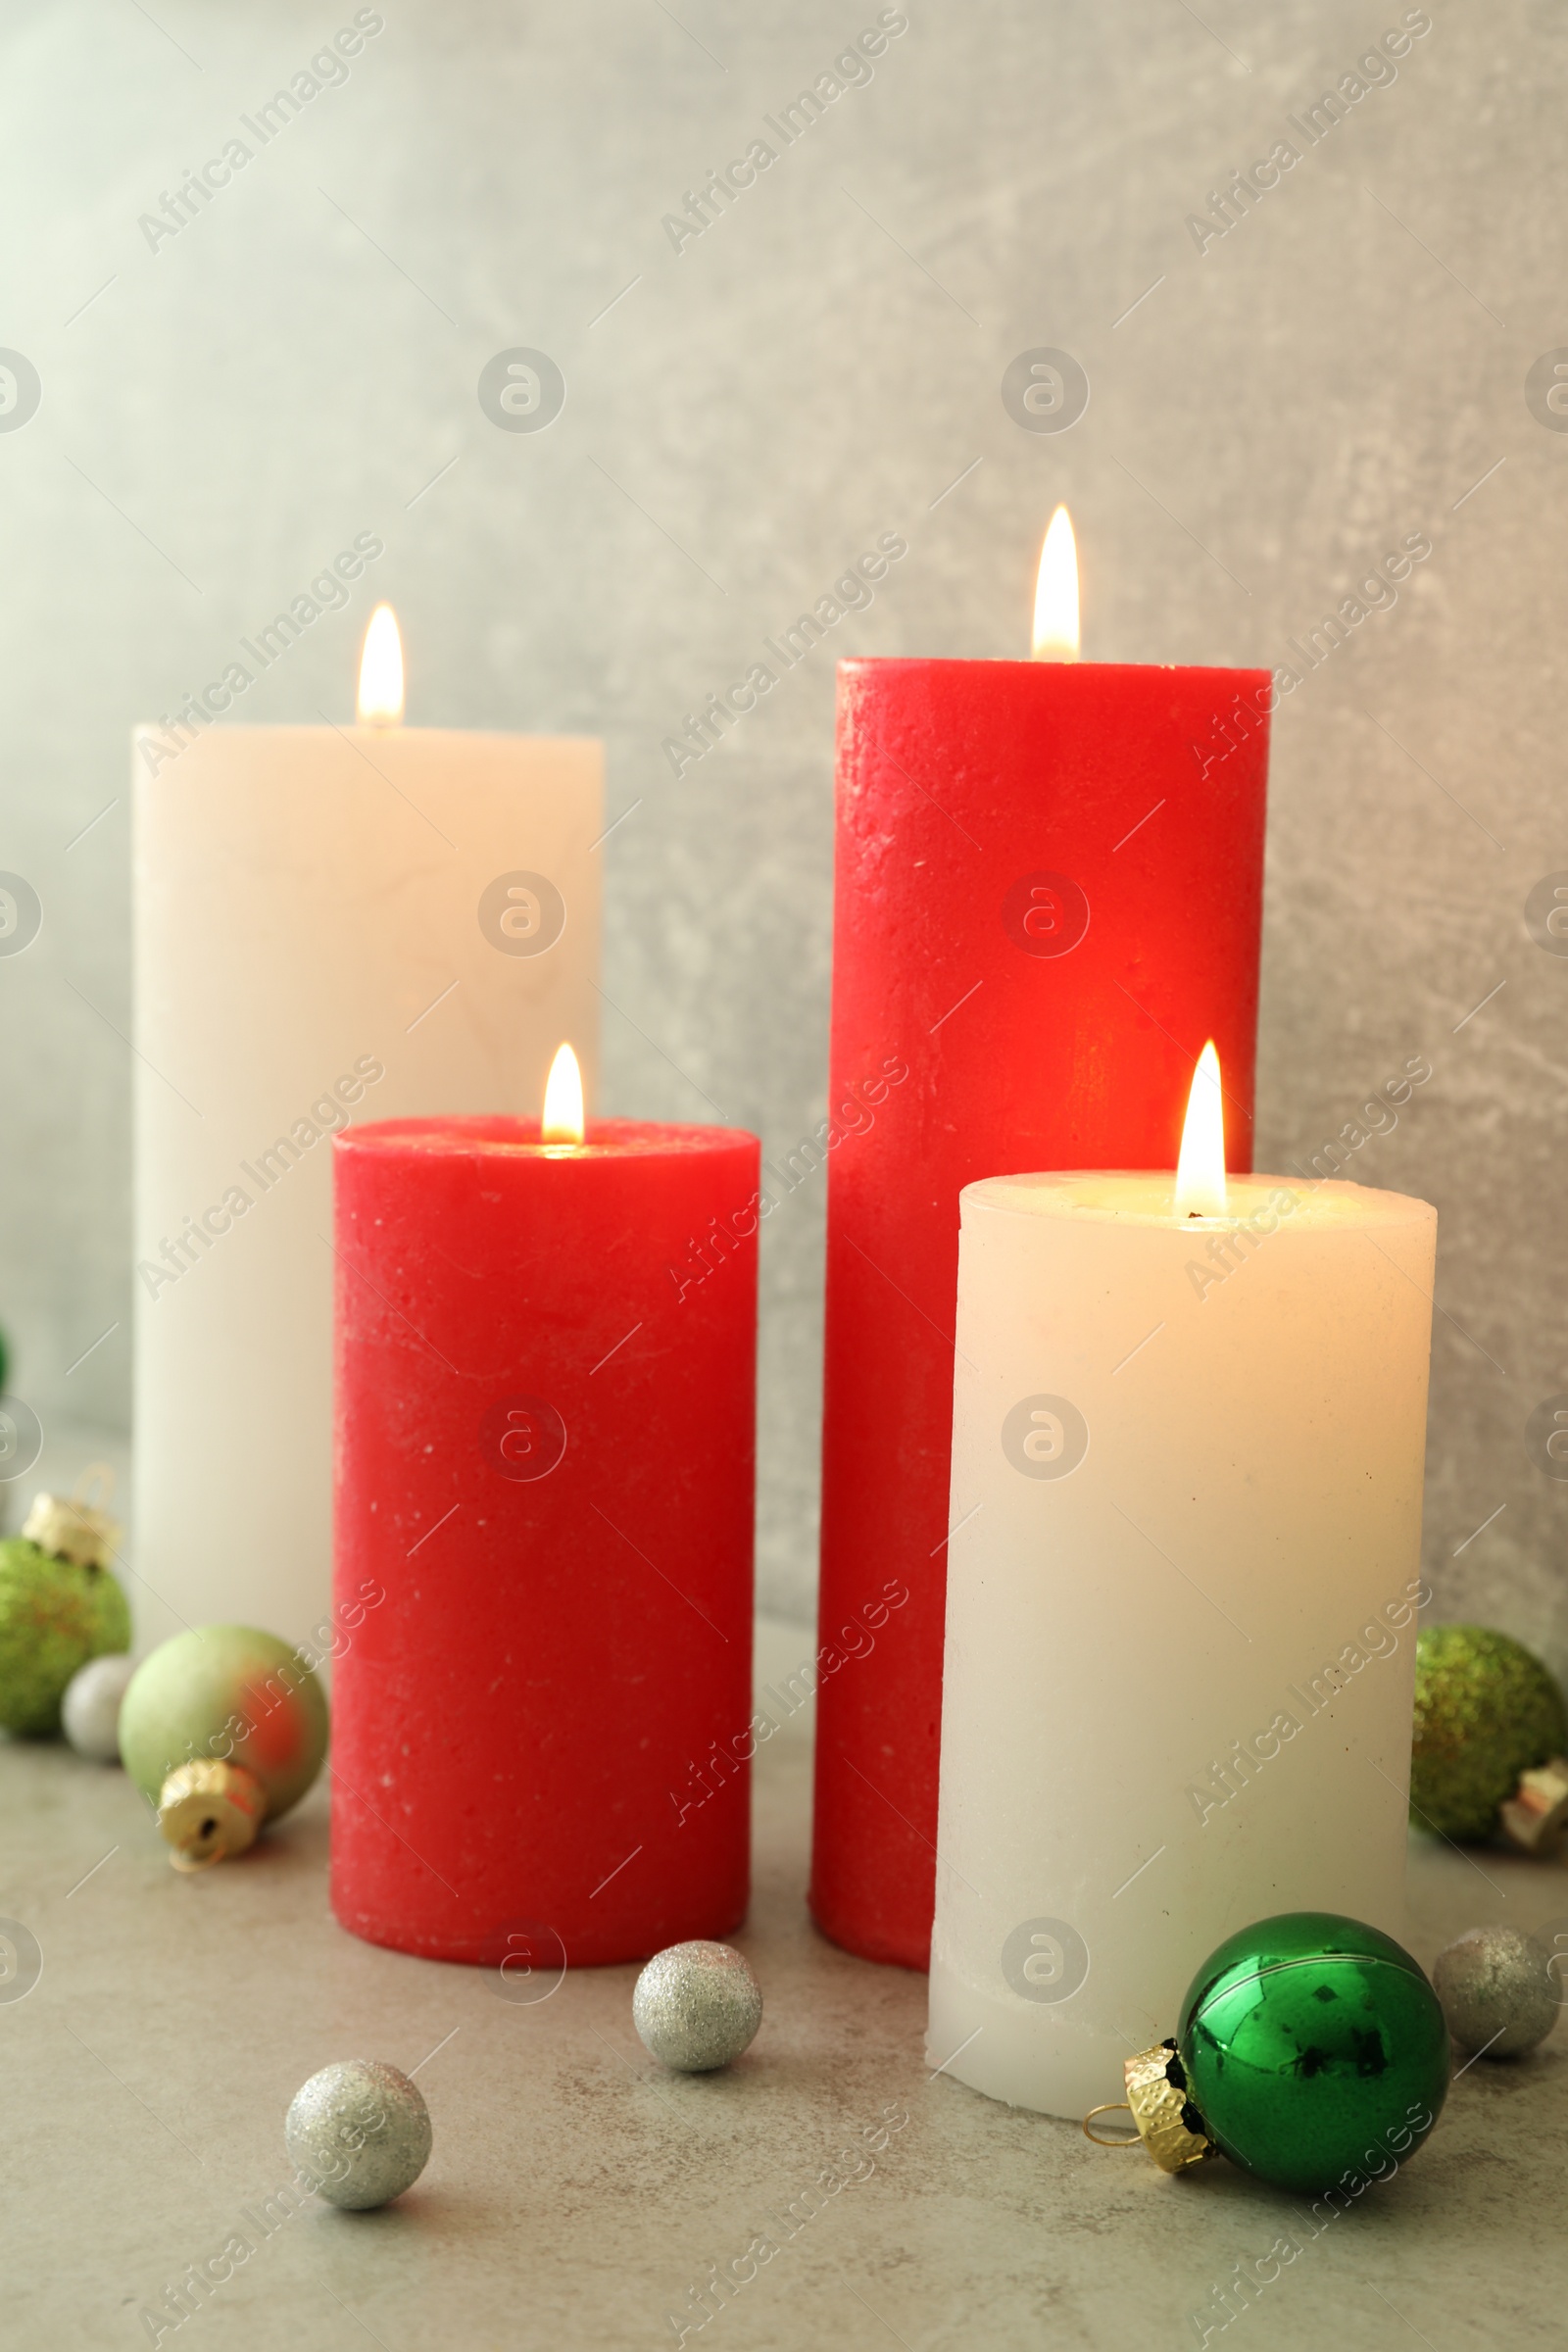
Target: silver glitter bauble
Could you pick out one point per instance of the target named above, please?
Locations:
(359, 2132)
(90, 1712)
(1495, 1993)
(697, 2006)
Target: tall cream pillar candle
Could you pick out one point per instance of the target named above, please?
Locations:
(1182, 1583)
(331, 923)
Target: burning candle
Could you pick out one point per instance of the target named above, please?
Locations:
(1048, 894)
(329, 922)
(542, 1710)
(1188, 1427)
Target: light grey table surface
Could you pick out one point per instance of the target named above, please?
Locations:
(576, 2192)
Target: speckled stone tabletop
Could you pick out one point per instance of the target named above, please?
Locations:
(577, 2194)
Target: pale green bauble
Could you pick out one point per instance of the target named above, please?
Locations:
(54, 1616)
(229, 1694)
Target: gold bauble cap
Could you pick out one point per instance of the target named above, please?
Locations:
(72, 1529)
(208, 1810)
(1168, 2124)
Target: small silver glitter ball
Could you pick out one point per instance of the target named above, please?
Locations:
(1495, 1993)
(90, 1708)
(361, 2132)
(697, 2006)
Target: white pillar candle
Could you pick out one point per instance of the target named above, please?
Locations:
(331, 923)
(1186, 1470)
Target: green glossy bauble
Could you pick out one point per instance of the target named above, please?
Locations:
(1485, 1710)
(231, 1694)
(54, 1616)
(1315, 2051)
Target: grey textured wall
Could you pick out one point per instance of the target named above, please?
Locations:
(1339, 370)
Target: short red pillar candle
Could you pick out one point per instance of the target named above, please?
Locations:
(545, 1449)
(1049, 882)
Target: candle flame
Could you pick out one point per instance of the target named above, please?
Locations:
(1056, 637)
(1200, 1169)
(562, 1121)
(380, 698)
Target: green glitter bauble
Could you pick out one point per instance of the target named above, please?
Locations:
(54, 1616)
(228, 1694)
(1315, 2052)
(1485, 1710)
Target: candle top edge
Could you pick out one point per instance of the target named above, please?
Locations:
(356, 729)
(1146, 1198)
(1057, 669)
(462, 1134)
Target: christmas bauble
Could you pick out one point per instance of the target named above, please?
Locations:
(90, 1712)
(1485, 1711)
(1497, 1993)
(697, 2006)
(1314, 2052)
(221, 1727)
(55, 1614)
(359, 2132)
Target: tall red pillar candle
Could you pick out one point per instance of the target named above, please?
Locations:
(1049, 880)
(543, 1542)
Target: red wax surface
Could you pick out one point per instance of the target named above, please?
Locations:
(987, 811)
(545, 1455)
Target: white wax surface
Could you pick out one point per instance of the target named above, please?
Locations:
(302, 897)
(1249, 1501)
